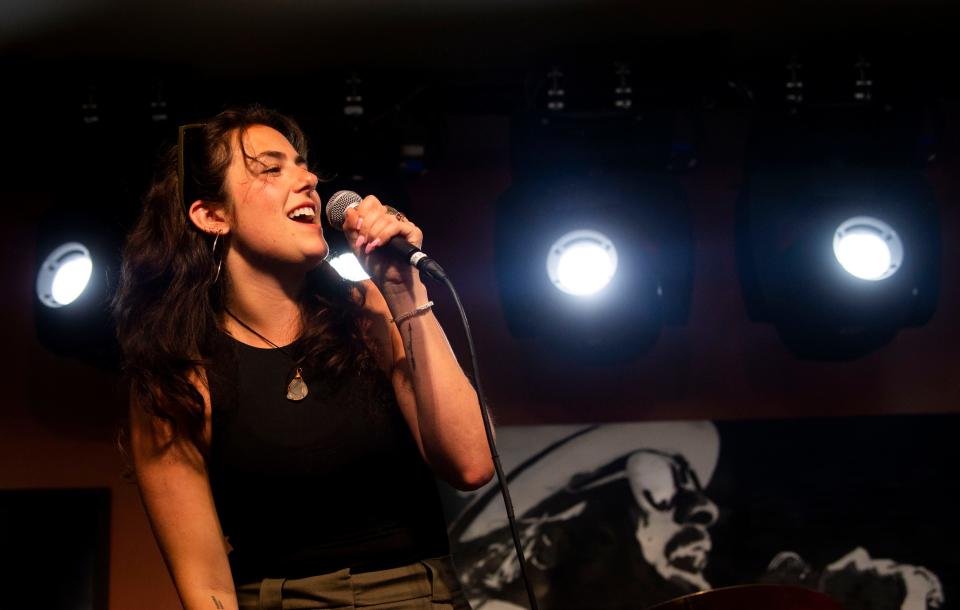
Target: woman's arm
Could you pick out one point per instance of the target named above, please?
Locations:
(437, 399)
(175, 490)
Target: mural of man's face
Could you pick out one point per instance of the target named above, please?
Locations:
(674, 517)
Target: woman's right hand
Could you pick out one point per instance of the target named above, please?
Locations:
(368, 227)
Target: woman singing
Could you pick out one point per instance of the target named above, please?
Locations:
(286, 424)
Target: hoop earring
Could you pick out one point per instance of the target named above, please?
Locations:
(213, 253)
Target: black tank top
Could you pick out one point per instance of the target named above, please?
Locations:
(332, 481)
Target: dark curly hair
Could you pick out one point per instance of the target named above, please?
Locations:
(169, 301)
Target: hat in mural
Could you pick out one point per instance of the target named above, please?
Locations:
(541, 460)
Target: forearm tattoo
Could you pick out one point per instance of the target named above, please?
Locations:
(216, 602)
(409, 348)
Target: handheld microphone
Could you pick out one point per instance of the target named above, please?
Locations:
(337, 207)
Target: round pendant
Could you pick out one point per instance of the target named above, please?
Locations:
(297, 388)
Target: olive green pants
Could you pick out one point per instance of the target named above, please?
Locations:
(430, 584)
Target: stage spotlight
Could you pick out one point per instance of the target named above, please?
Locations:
(582, 262)
(591, 195)
(838, 239)
(64, 275)
(78, 257)
(593, 250)
(618, 262)
(868, 248)
(349, 267)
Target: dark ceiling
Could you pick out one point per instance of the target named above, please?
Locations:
(425, 59)
(293, 34)
(491, 56)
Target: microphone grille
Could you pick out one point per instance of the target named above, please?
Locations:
(337, 207)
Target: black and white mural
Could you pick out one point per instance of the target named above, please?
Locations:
(629, 515)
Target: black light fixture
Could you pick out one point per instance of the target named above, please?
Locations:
(593, 250)
(79, 240)
(837, 229)
(77, 267)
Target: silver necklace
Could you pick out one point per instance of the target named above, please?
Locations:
(297, 388)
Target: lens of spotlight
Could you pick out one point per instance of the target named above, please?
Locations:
(349, 267)
(868, 248)
(64, 275)
(582, 262)
(864, 255)
(71, 279)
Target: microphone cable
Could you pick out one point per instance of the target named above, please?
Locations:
(494, 453)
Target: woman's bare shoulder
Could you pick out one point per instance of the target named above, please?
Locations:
(153, 435)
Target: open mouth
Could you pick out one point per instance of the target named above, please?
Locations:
(305, 214)
(691, 559)
(689, 550)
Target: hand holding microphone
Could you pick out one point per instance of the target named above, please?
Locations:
(373, 226)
